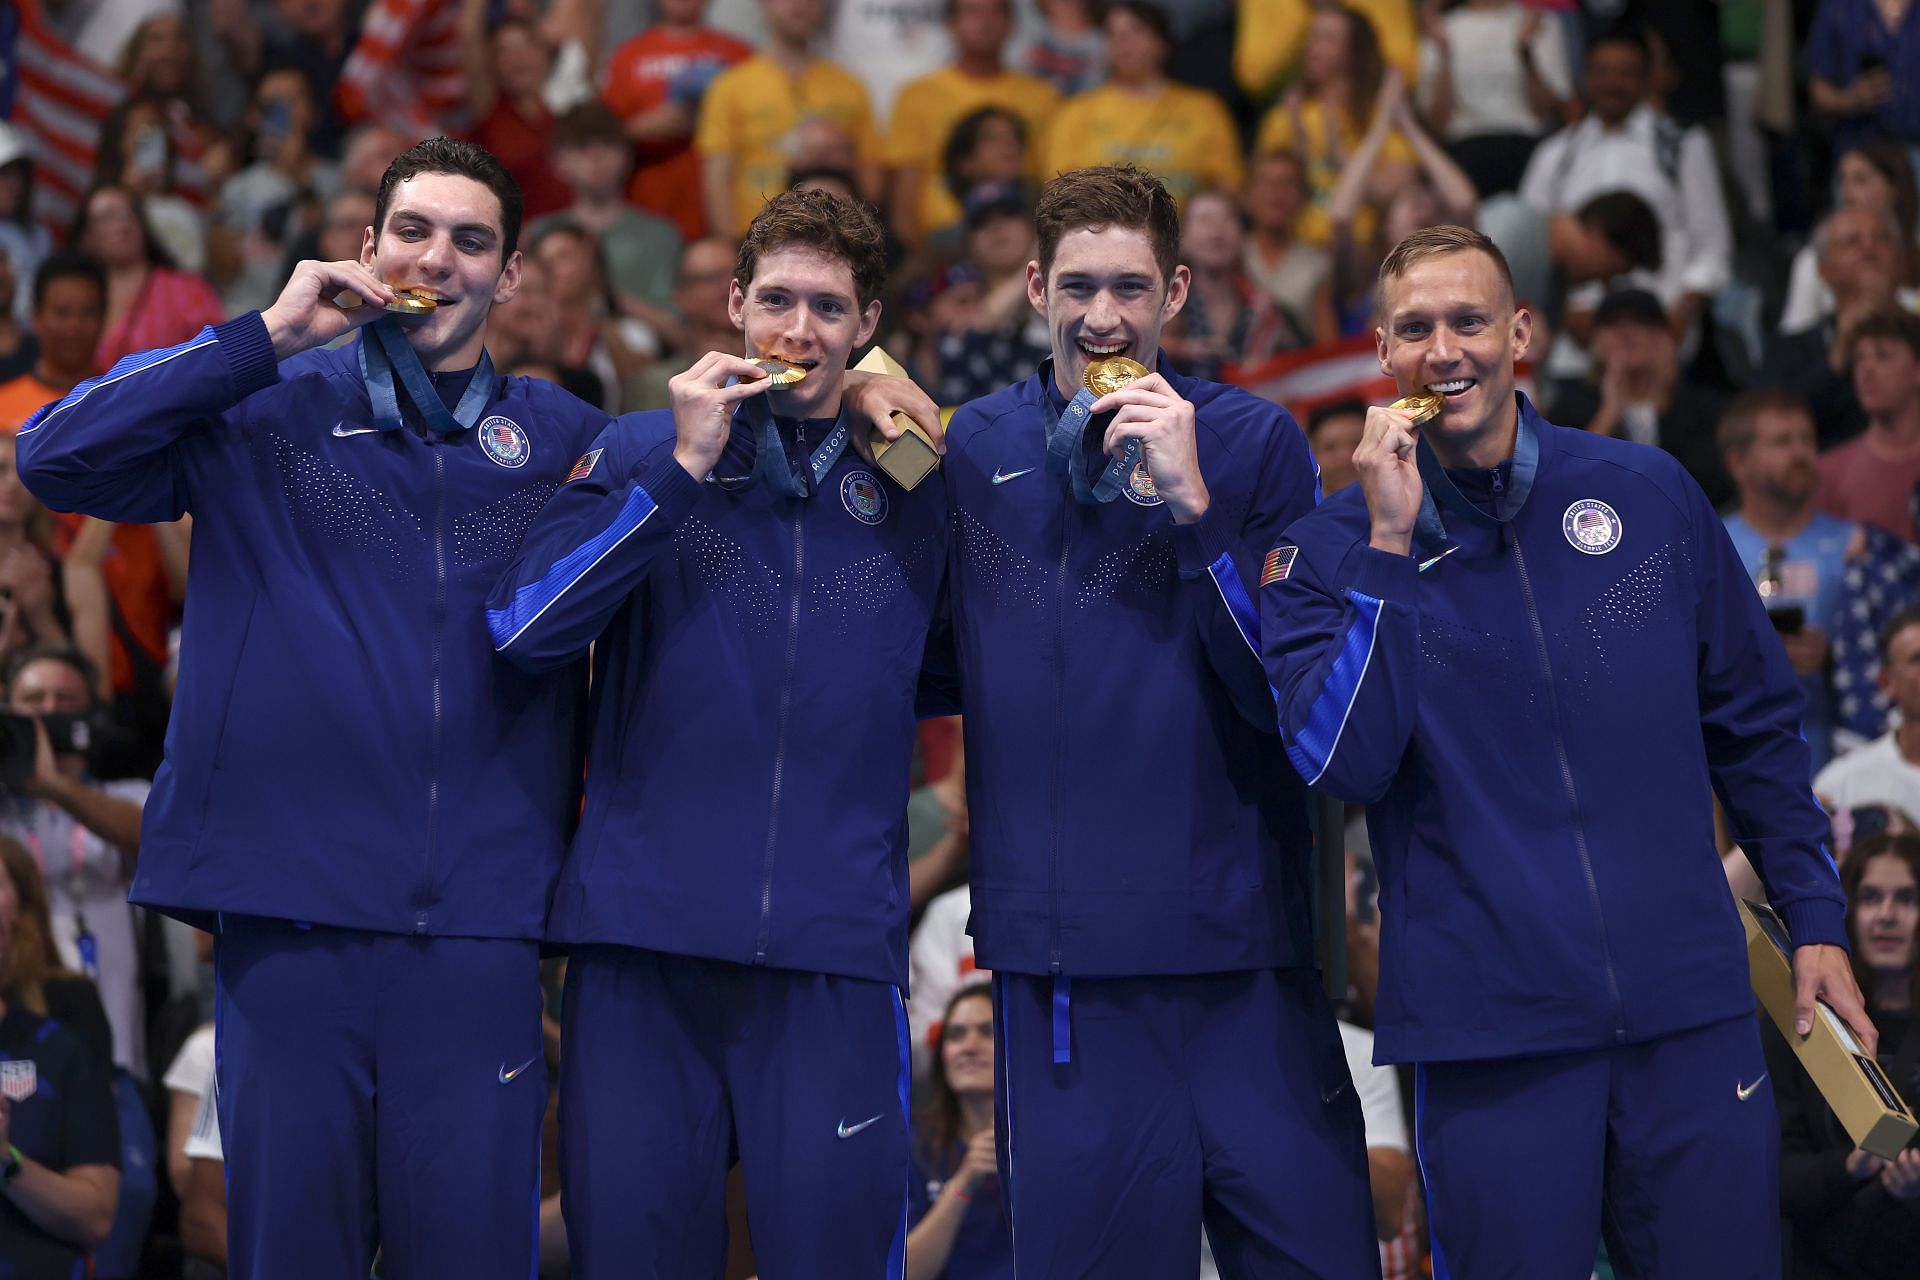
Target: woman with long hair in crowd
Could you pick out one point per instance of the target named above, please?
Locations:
(955, 1228)
(59, 1141)
(1876, 175)
(1855, 1216)
(151, 302)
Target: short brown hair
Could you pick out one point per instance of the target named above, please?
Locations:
(1436, 242)
(1120, 195)
(825, 223)
(1888, 322)
(1742, 417)
(586, 125)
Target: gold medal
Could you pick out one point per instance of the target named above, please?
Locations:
(1425, 406)
(1104, 377)
(780, 373)
(410, 300)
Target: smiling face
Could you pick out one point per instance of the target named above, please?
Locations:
(1103, 295)
(966, 1046)
(443, 234)
(1449, 326)
(1886, 908)
(801, 306)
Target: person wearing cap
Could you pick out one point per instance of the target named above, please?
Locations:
(1138, 849)
(1639, 392)
(1535, 656)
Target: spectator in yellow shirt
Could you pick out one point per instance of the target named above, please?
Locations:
(927, 110)
(749, 117)
(1326, 114)
(1184, 135)
(1270, 34)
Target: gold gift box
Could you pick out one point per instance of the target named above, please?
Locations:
(1869, 1107)
(911, 458)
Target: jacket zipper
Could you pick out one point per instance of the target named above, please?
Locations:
(1059, 738)
(439, 629)
(1573, 796)
(763, 939)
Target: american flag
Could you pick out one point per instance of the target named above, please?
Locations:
(57, 94)
(1881, 579)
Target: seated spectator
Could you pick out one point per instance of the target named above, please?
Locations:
(150, 302)
(1796, 554)
(1333, 433)
(525, 338)
(1865, 65)
(203, 1205)
(1612, 243)
(1875, 175)
(927, 110)
(754, 106)
(1887, 770)
(1626, 143)
(980, 327)
(593, 156)
(955, 1226)
(1437, 191)
(1640, 394)
(1493, 82)
(940, 963)
(1871, 478)
(507, 69)
(136, 152)
(1296, 275)
(84, 836)
(1852, 1215)
(68, 312)
(590, 332)
(340, 232)
(188, 1080)
(655, 83)
(59, 1133)
(987, 148)
(701, 283)
(48, 601)
(1070, 51)
(19, 348)
(24, 239)
(1139, 116)
(276, 200)
(1227, 320)
(1325, 116)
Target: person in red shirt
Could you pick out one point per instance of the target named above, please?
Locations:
(507, 71)
(654, 84)
(1872, 478)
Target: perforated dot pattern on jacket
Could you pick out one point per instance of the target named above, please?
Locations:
(495, 531)
(336, 508)
(857, 592)
(753, 590)
(1140, 571)
(1013, 579)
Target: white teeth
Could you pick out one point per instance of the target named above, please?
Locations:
(1448, 388)
(1104, 350)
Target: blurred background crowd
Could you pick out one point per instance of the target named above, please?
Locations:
(1710, 206)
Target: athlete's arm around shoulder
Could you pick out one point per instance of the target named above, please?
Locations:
(107, 446)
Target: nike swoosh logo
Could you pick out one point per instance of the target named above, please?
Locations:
(1001, 477)
(848, 1130)
(342, 430)
(508, 1077)
(1743, 1092)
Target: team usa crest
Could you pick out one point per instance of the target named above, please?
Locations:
(1140, 490)
(1591, 526)
(505, 441)
(862, 496)
(19, 1079)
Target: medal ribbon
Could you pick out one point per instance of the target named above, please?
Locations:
(1429, 533)
(384, 350)
(1066, 451)
(770, 462)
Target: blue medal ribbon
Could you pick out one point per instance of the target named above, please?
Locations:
(1066, 449)
(87, 946)
(1429, 532)
(770, 461)
(384, 350)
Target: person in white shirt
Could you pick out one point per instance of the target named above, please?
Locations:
(1493, 82)
(1887, 770)
(1625, 144)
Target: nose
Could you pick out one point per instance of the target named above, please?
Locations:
(797, 333)
(1102, 313)
(435, 256)
(1441, 348)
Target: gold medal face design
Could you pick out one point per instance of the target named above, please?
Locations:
(1104, 377)
(412, 301)
(780, 373)
(1425, 406)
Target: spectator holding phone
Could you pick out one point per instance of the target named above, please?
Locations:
(83, 835)
(1797, 555)
(1887, 770)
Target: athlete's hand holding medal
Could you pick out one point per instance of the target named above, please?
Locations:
(705, 396)
(1147, 409)
(1389, 472)
(322, 301)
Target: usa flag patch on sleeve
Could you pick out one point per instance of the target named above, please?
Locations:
(584, 468)
(1279, 565)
